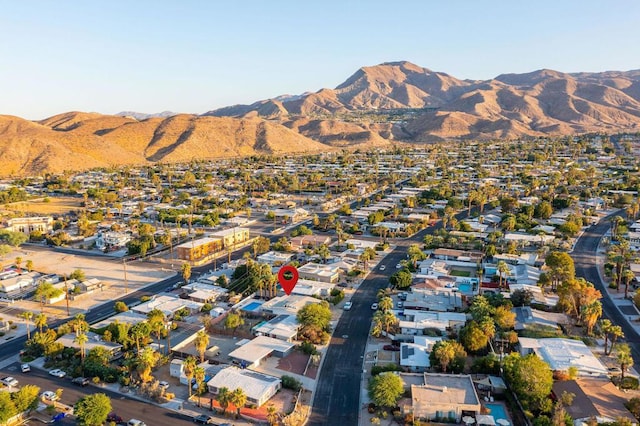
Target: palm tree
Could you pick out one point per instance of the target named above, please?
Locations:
(40, 321)
(272, 414)
(189, 366)
(81, 339)
(200, 375)
(186, 271)
(616, 333)
(590, 314)
(627, 275)
(624, 358)
(201, 342)
(503, 270)
(386, 304)
(238, 398)
(78, 324)
(224, 398)
(139, 331)
(18, 263)
(27, 316)
(29, 265)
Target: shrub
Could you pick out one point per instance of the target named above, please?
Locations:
(308, 348)
(292, 383)
(629, 383)
(206, 308)
(377, 369)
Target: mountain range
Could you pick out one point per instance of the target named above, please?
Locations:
(376, 106)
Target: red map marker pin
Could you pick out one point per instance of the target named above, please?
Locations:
(288, 284)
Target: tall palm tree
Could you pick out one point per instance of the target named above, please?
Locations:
(503, 270)
(201, 342)
(223, 398)
(590, 314)
(624, 358)
(40, 321)
(27, 316)
(18, 264)
(238, 398)
(616, 333)
(81, 339)
(272, 414)
(199, 374)
(605, 327)
(189, 366)
(386, 304)
(627, 275)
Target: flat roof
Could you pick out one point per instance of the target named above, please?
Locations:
(255, 385)
(259, 348)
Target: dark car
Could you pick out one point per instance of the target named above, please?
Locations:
(391, 348)
(82, 381)
(204, 419)
(113, 417)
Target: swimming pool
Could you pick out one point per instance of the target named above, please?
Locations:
(253, 306)
(465, 287)
(497, 411)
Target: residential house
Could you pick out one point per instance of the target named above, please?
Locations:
(415, 356)
(561, 354)
(27, 225)
(169, 304)
(318, 272)
(598, 398)
(528, 317)
(275, 258)
(258, 387)
(287, 305)
(283, 327)
(252, 352)
(94, 341)
(444, 396)
(303, 241)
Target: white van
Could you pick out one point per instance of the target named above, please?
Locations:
(136, 422)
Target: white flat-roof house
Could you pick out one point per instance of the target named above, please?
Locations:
(94, 341)
(415, 356)
(275, 258)
(255, 351)
(282, 327)
(257, 386)
(167, 304)
(27, 225)
(561, 354)
(317, 272)
(287, 305)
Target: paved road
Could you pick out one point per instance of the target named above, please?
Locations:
(584, 257)
(124, 406)
(337, 395)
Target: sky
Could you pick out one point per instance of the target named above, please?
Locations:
(195, 56)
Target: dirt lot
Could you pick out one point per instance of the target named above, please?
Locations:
(47, 206)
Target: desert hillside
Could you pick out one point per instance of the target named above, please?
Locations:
(376, 106)
(77, 141)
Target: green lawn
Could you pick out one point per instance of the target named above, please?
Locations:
(457, 273)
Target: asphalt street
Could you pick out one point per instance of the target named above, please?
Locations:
(584, 257)
(125, 407)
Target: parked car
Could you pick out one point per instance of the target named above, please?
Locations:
(391, 348)
(57, 373)
(25, 368)
(82, 381)
(399, 265)
(9, 381)
(204, 419)
(614, 371)
(347, 306)
(163, 385)
(400, 305)
(382, 268)
(114, 418)
(374, 306)
(136, 422)
(49, 396)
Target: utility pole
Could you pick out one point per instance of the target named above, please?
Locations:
(66, 294)
(126, 283)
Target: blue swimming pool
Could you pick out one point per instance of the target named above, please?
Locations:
(465, 287)
(253, 306)
(497, 411)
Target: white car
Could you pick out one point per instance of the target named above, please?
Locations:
(382, 268)
(9, 381)
(399, 265)
(25, 368)
(374, 307)
(49, 396)
(347, 306)
(57, 372)
(163, 385)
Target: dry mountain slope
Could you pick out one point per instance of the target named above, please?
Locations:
(542, 102)
(78, 141)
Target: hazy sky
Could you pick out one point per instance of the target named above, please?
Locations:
(193, 56)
